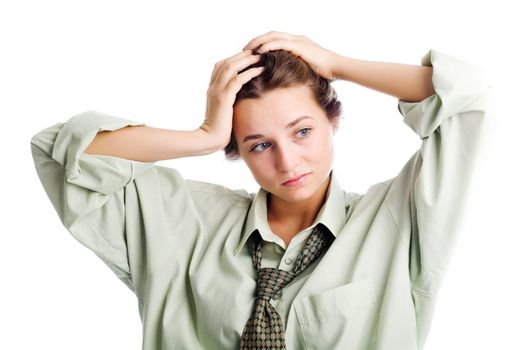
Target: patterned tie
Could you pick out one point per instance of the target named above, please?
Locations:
(264, 329)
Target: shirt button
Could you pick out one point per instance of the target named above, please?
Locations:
(288, 261)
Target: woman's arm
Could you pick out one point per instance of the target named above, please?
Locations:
(406, 82)
(147, 144)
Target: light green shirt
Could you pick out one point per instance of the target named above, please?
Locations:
(183, 247)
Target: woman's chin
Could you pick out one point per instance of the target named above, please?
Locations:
(293, 195)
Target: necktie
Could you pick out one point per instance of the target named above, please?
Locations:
(264, 329)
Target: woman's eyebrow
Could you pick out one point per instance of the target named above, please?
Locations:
(288, 126)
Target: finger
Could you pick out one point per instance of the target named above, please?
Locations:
(261, 39)
(239, 80)
(220, 64)
(291, 46)
(230, 69)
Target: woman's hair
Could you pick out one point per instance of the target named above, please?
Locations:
(284, 69)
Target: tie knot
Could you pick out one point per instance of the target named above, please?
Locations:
(270, 281)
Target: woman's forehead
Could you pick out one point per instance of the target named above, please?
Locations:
(279, 107)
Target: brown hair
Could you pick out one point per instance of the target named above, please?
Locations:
(284, 69)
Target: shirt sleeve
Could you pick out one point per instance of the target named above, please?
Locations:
(427, 198)
(87, 191)
(432, 187)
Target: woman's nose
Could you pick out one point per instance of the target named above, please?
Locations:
(286, 158)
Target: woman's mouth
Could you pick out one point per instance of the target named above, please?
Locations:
(296, 181)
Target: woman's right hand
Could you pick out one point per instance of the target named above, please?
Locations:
(225, 82)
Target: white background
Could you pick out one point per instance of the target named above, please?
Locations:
(151, 61)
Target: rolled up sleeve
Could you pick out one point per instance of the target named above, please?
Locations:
(87, 191)
(428, 196)
(434, 183)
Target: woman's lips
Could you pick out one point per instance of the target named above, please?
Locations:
(296, 181)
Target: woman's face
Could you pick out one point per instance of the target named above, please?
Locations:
(282, 135)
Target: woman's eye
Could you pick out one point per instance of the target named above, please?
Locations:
(256, 148)
(304, 133)
(261, 146)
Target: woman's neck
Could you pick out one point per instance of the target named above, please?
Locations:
(298, 215)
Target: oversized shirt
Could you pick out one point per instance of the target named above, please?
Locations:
(183, 246)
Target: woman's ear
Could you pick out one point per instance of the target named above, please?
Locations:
(335, 124)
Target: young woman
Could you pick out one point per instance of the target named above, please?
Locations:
(302, 263)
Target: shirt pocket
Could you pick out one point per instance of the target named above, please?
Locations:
(339, 318)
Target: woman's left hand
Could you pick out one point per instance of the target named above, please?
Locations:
(320, 59)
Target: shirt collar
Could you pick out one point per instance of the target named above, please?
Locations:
(332, 213)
